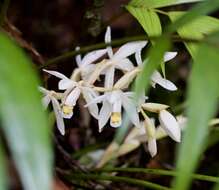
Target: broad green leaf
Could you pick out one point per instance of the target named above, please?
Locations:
(148, 19)
(202, 8)
(24, 122)
(202, 102)
(2, 169)
(159, 3)
(196, 29)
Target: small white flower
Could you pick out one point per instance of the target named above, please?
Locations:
(85, 65)
(119, 60)
(72, 93)
(112, 108)
(170, 125)
(49, 96)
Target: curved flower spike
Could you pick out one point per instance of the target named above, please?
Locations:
(49, 96)
(170, 125)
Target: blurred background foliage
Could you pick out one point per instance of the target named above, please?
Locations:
(46, 30)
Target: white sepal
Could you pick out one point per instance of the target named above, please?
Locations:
(104, 114)
(158, 79)
(58, 115)
(129, 49)
(170, 125)
(56, 74)
(169, 55)
(73, 97)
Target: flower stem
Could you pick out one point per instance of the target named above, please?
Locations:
(158, 172)
(120, 179)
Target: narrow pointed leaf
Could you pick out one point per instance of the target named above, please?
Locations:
(23, 120)
(202, 101)
(159, 3)
(3, 184)
(196, 29)
(148, 19)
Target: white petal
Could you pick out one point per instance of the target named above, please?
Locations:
(66, 84)
(131, 110)
(97, 100)
(55, 73)
(45, 101)
(104, 115)
(109, 77)
(128, 49)
(59, 119)
(169, 55)
(114, 96)
(108, 35)
(87, 70)
(108, 40)
(73, 97)
(125, 65)
(152, 146)
(78, 57)
(93, 56)
(138, 57)
(158, 79)
(117, 106)
(170, 125)
(93, 108)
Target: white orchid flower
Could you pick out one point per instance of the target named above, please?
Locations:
(112, 108)
(85, 65)
(119, 60)
(170, 125)
(72, 93)
(50, 96)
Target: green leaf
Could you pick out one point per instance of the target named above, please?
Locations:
(24, 122)
(159, 3)
(3, 184)
(148, 19)
(203, 8)
(196, 29)
(202, 103)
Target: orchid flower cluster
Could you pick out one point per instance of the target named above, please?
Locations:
(114, 96)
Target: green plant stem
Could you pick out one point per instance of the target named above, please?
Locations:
(4, 9)
(120, 41)
(158, 172)
(120, 179)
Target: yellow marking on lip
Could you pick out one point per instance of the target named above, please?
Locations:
(116, 117)
(67, 109)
